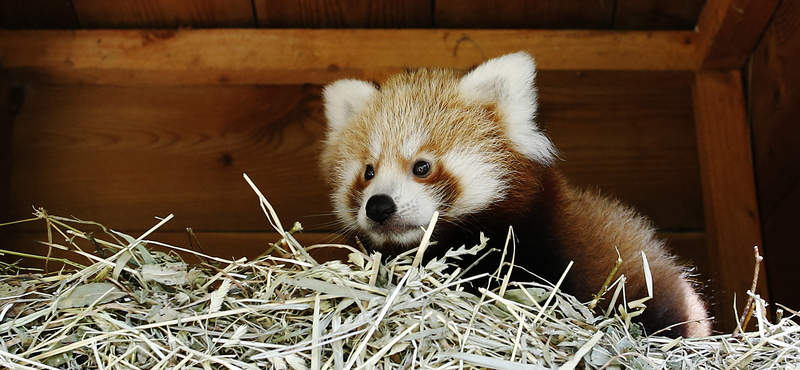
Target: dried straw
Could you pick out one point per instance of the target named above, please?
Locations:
(142, 309)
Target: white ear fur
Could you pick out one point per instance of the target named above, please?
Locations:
(343, 99)
(507, 82)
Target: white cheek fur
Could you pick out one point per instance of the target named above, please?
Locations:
(481, 181)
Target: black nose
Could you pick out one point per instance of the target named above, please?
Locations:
(380, 208)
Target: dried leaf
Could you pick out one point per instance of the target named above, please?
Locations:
(90, 294)
(166, 273)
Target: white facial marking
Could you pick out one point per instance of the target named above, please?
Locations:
(412, 144)
(480, 180)
(375, 144)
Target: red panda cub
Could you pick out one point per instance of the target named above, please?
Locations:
(465, 144)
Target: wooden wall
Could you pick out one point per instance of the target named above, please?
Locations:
(775, 108)
(172, 149)
(554, 14)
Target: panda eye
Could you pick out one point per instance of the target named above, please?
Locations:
(369, 173)
(421, 169)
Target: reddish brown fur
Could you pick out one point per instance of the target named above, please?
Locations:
(555, 224)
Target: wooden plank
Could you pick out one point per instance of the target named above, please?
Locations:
(37, 14)
(775, 106)
(601, 121)
(691, 249)
(781, 255)
(241, 56)
(344, 14)
(164, 14)
(7, 111)
(127, 154)
(731, 210)
(729, 31)
(657, 14)
(524, 14)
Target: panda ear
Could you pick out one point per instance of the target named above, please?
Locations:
(343, 99)
(506, 83)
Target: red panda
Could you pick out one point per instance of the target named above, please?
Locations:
(465, 144)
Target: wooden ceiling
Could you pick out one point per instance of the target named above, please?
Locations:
(514, 14)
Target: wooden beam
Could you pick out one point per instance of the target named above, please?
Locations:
(38, 14)
(295, 56)
(165, 14)
(729, 31)
(344, 14)
(732, 220)
(656, 14)
(524, 14)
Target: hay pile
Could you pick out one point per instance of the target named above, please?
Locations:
(140, 309)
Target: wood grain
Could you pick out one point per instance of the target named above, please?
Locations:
(197, 57)
(611, 126)
(37, 14)
(344, 14)
(781, 255)
(731, 210)
(775, 106)
(127, 154)
(164, 14)
(729, 31)
(6, 134)
(524, 14)
(514, 14)
(657, 14)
